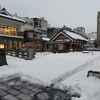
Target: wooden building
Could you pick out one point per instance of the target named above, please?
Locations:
(11, 30)
(64, 41)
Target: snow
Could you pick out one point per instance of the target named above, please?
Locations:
(64, 70)
(74, 35)
(12, 17)
(46, 39)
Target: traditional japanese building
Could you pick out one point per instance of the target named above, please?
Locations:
(11, 29)
(64, 41)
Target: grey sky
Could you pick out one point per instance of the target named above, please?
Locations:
(72, 13)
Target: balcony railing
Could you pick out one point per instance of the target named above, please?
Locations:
(18, 34)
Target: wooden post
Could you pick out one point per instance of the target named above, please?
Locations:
(73, 46)
(76, 46)
(70, 44)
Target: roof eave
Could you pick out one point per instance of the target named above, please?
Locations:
(12, 19)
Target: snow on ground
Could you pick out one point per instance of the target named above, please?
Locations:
(47, 68)
(87, 87)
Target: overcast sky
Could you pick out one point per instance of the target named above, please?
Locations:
(72, 13)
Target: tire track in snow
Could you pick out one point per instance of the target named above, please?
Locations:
(74, 71)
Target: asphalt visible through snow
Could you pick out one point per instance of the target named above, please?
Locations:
(15, 89)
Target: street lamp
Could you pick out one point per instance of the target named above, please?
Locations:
(2, 52)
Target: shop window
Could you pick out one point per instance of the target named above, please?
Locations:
(10, 44)
(8, 30)
(5, 29)
(16, 31)
(15, 44)
(20, 44)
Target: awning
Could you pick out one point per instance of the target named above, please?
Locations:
(55, 42)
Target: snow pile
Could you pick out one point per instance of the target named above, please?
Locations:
(89, 89)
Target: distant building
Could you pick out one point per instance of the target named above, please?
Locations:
(92, 39)
(64, 41)
(51, 31)
(92, 35)
(81, 31)
(40, 25)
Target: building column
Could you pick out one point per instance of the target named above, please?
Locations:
(76, 46)
(70, 44)
(73, 46)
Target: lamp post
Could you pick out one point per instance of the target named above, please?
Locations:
(2, 52)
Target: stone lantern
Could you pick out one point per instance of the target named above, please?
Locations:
(2, 52)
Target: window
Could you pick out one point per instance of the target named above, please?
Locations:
(42, 31)
(29, 23)
(8, 30)
(15, 44)
(20, 44)
(38, 23)
(10, 44)
(34, 35)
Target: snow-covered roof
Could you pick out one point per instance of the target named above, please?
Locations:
(46, 39)
(74, 35)
(13, 18)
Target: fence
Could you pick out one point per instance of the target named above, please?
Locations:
(17, 53)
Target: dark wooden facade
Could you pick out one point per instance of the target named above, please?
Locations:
(62, 42)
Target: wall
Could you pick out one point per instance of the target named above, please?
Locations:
(43, 29)
(29, 23)
(30, 34)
